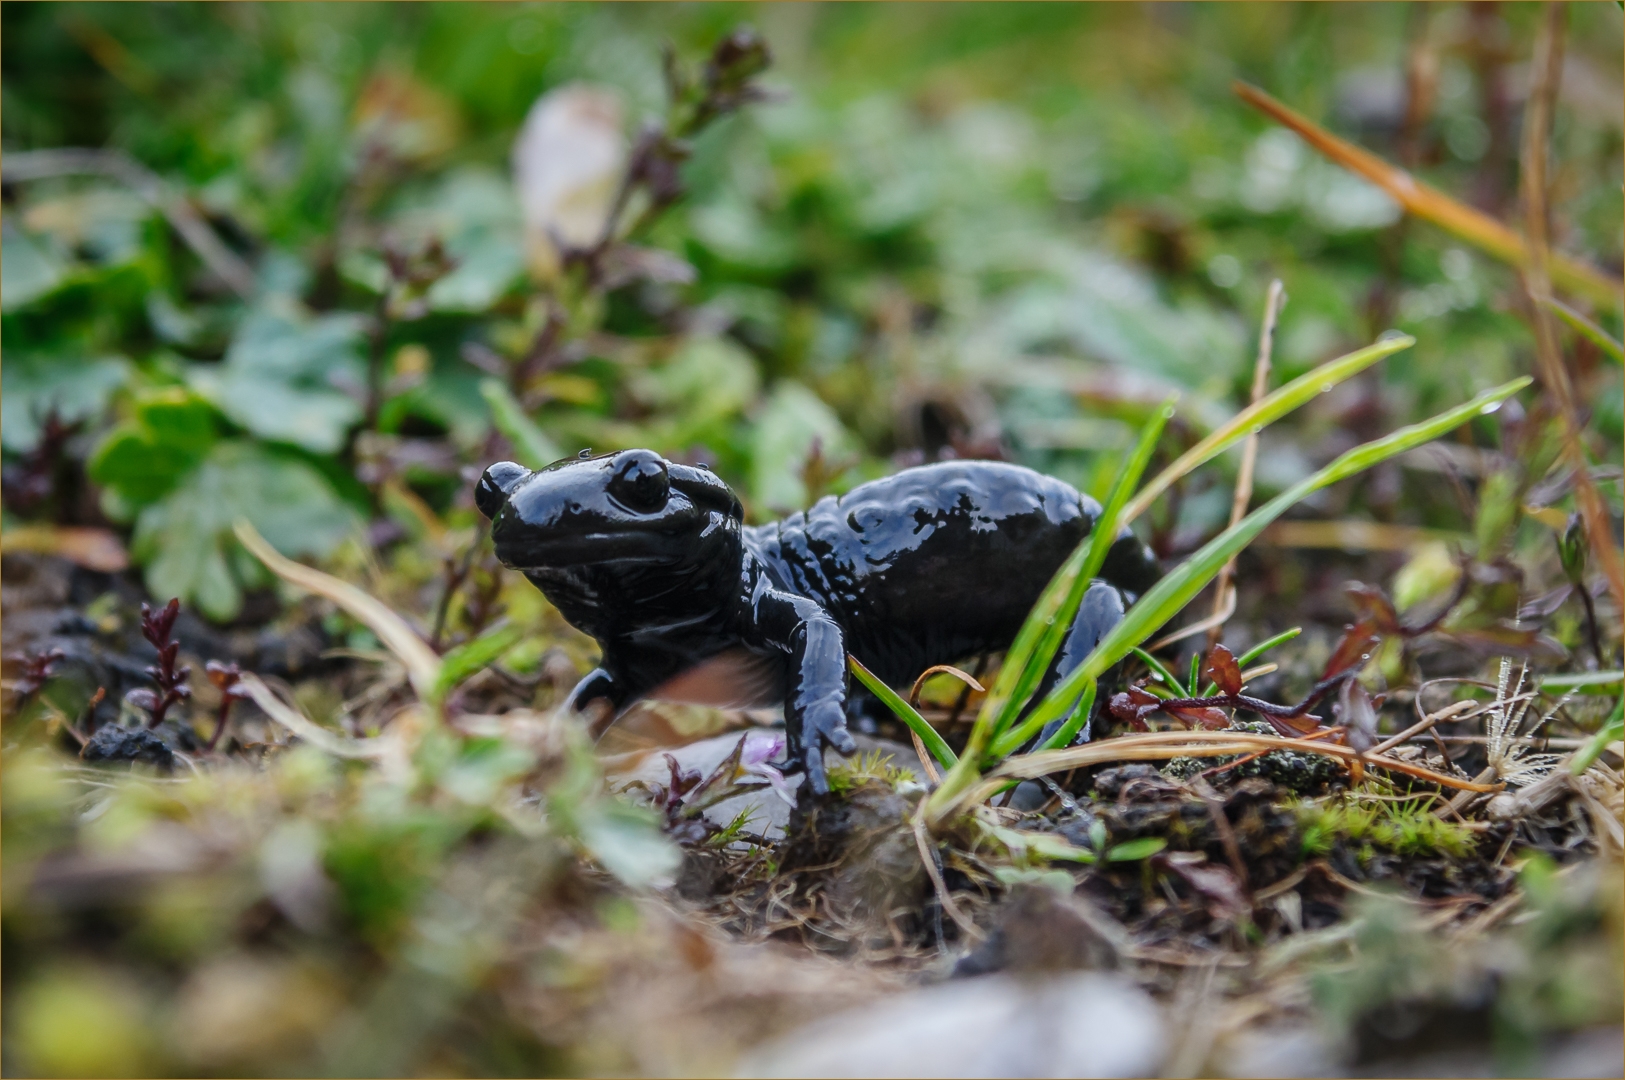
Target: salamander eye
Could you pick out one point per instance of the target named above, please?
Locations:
(640, 482)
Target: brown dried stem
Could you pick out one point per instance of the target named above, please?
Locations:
(1473, 226)
(1273, 303)
(1537, 276)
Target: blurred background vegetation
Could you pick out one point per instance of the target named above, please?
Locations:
(300, 280)
(977, 230)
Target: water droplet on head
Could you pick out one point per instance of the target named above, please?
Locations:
(1493, 406)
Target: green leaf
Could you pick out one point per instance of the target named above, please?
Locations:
(904, 712)
(1064, 734)
(1060, 881)
(1135, 850)
(627, 841)
(474, 656)
(487, 265)
(1588, 330)
(31, 383)
(1612, 731)
(792, 419)
(281, 379)
(185, 540)
(167, 433)
(29, 271)
(530, 445)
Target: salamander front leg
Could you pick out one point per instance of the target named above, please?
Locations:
(815, 704)
(598, 686)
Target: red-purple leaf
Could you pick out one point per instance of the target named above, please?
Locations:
(1353, 650)
(1203, 716)
(1222, 671)
(1355, 711)
(1372, 605)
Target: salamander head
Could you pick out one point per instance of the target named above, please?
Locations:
(622, 509)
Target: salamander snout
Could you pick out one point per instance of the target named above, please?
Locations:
(498, 482)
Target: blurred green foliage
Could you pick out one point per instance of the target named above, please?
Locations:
(951, 227)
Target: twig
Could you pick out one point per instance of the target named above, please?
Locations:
(1468, 794)
(1273, 303)
(1537, 271)
(1449, 712)
(193, 229)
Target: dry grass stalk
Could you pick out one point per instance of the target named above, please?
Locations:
(1431, 204)
(1218, 618)
(922, 841)
(422, 665)
(1164, 745)
(1537, 276)
(1273, 304)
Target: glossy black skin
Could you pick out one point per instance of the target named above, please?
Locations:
(936, 563)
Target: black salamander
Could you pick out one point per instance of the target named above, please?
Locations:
(654, 561)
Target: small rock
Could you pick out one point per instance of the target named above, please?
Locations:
(1088, 1024)
(1109, 784)
(1029, 795)
(1503, 807)
(1041, 931)
(114, 743)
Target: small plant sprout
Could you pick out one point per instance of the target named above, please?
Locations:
(1505, 748)
(37, 669)
(226, 678)
(687, 796)
(156, 627)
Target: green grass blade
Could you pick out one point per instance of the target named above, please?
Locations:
(1265, 646)
(533, 449)
(1165, 599)
(1047, 624)
(1011, 741)
(1611, 731)
(904, 712)
(1584, 682)
(473, 656)
(1064, 735)
(1587, 329)
(1156, 666)
(1135, 850)
(1262, 413)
